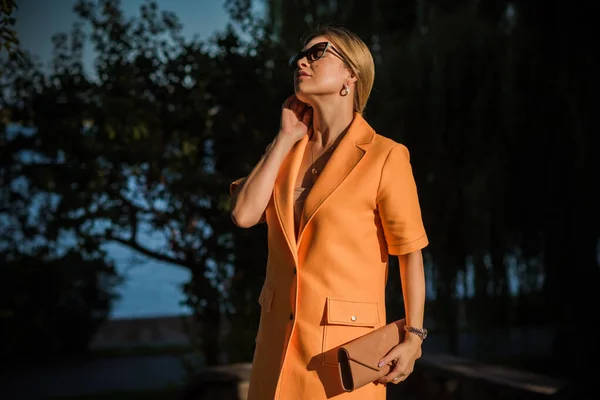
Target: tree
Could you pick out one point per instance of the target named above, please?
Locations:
(147, 148)
(8, 36)
(56, 286)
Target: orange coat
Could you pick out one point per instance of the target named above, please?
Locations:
(328, 287)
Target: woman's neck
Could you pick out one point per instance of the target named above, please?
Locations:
(329, 122)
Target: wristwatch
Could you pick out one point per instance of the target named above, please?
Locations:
(420, 332)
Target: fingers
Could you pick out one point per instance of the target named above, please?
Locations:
(302, 111)
(299, 109)
(307, 116)
(287, 103)
(293, 104)
(399, 373)
(392, 356)
(402, 364)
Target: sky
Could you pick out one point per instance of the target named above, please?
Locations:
(38, 20)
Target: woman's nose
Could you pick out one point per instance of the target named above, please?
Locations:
(302, 62)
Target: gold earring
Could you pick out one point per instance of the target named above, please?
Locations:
(346, 90)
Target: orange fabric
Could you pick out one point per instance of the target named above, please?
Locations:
(328, 286)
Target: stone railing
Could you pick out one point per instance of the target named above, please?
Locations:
(436, 377)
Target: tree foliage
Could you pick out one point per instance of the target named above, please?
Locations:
(9, 40)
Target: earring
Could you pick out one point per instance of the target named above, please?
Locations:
(346, 90)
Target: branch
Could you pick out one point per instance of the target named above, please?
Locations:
(147, 252)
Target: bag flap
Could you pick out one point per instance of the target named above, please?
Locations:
(368, 350)
(354, 313)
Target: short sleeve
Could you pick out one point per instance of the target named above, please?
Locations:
(234, 185)
(398, 204)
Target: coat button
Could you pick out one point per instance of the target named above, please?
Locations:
(294, 270)
(353, 318)
(291, 316)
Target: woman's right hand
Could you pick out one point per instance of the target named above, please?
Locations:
(296, 117)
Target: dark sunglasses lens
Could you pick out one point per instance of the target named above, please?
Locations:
(312, 54)
(316, 52)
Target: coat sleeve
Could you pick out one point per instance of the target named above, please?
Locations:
(234, 185)
(398, 204)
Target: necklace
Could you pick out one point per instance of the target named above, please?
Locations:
(315, 171)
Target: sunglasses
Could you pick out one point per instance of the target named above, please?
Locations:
(314, 53)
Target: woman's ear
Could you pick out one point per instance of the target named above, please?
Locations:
(352, 78)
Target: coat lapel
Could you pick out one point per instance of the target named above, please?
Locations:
(284, 191)
(350, 150)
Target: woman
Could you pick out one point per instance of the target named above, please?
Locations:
(337, 199)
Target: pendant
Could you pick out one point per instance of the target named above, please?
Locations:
(314, 171)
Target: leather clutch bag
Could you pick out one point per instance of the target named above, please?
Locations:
(358, 360)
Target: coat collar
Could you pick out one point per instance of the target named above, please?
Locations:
(350, 150)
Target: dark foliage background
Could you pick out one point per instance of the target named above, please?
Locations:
(494, 99)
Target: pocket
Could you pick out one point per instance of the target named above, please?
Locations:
(345, 321)
(265, 324)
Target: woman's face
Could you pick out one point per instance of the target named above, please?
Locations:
(318, 77)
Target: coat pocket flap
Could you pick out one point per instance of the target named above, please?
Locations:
(353, 313)
(266, 297)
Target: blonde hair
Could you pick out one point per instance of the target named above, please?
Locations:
(357, 55)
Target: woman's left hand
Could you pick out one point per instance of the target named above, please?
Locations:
(402, 359)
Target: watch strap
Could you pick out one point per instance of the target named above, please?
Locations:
(420, 332)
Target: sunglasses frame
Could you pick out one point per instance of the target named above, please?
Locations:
(293, 61)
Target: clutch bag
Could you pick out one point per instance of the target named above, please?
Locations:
(358, 359)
